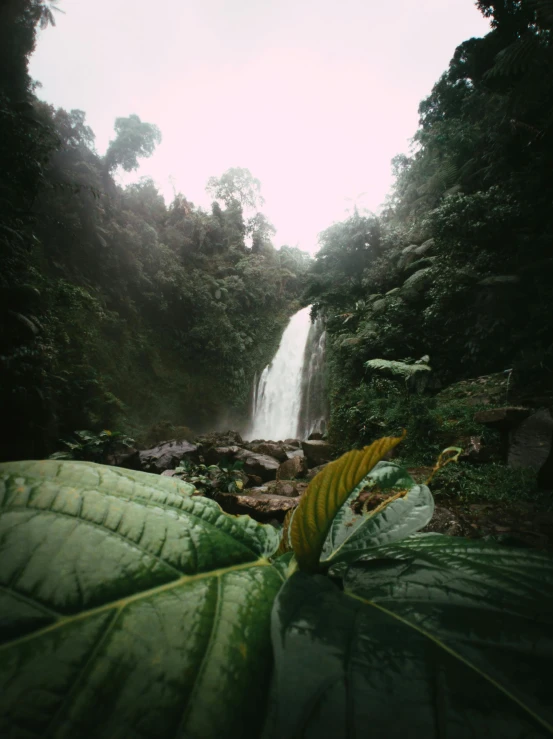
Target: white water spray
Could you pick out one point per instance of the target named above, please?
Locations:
(278, 394)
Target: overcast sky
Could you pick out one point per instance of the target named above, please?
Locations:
(313, 96)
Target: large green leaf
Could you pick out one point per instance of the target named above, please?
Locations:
(326, 493)
(351, 533)
(456, 642)
(400, 518)
(129, 608)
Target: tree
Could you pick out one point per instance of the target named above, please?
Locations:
(236, 186)
(134, 139)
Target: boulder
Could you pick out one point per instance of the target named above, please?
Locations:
(260, 465)
(294, 453)
(220, 438)
(270, 449)
(531, 445)
(259, 504)
(315, 436)
(214, 455)
(292, 468)
(293, 442)
(166, 456)
(316, 452)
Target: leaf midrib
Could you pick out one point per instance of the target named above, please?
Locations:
(119, 605)
(454, 654)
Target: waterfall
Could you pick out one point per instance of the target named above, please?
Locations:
(287, 400)
(314, 404)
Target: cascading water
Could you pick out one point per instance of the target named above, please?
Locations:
(282, 405)
(314, 404)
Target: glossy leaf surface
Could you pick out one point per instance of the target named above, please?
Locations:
(326, 493)
(129, 608)
(351, 533)
(415, 648)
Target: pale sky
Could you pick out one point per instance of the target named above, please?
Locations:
(315, 97)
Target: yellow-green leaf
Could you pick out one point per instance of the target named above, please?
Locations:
(326, 493)
(285, 536)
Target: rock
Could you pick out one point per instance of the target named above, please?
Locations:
(261, 506)
(261, 465)
(168, 473)
(502, 419)
(316, 452)
(214, 455)
(270, 449)
(315, 471)
(315, 436)
(254, 481)
(292, 468)
(393, 291)
(286, 488)
(219, 439)
(531, 445)
(294, 453)
(293, 442)
(166, 455)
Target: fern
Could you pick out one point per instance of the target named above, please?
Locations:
(397, 369)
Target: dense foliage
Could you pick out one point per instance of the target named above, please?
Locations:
(126, 590)
(119, 311)
(458, 266)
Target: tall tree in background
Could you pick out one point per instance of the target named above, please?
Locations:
(134, 139)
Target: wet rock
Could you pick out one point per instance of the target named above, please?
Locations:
(166, 455)
(261, 465)
(315, 436)
(292, 468)
(271, 449)
(316, 452)
(254, 481)
(294, 453)
(261, 506)
(293, 442)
